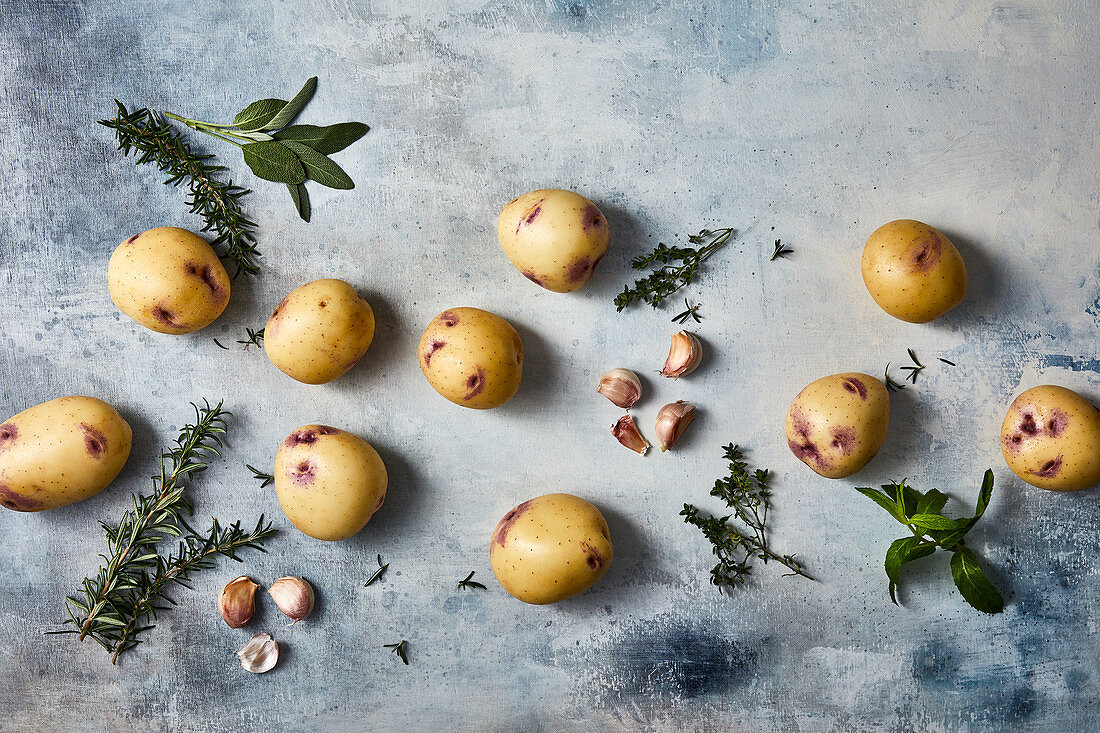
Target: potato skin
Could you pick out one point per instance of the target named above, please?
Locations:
(319, 331)
(550, 548)
(912, 271)
(556, 238)
(169, 280)
(472, 357)
(837, 424)
(59, 452)
(1050, 438)
(329, 482)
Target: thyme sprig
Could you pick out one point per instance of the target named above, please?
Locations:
(399, 649)
(121, 602)
(674, 267)
(155, 141)
(469, 582)
(922, 514)
(749, 497)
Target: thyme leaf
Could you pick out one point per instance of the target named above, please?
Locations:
(673, 268)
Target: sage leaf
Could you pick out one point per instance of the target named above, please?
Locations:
(259, 113)
(972, 583)
(300, 196)
(319, 167)
(273, 161)
(287, 114)
(325, 140)
(934, 521)
(884, 501)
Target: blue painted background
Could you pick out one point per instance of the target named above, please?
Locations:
(808, 121)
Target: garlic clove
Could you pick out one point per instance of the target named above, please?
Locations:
(260, 654)
(236, 604)
(621, 386)
(684, 354)
(626, 432)
(672, 420)
(293, 596)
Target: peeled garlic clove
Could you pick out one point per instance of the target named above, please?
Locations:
(684, 354)
(236, 604)
(260, 654)
(293, 596)
(626, 432)
(672, 420)
(621, 386)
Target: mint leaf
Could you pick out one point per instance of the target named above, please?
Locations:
(902, 551)
(934, 521)
(320, 168)
(984, 494)
(972, 583)
(884, 501)
(259, 113)
(325, 140)
(287, 114)
(272, 161)
(932, 502)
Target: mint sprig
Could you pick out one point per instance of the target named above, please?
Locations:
(931, 531)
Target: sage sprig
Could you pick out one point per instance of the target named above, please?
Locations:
(278, 151)
(931, 531)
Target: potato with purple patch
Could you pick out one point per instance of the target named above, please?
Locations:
(913, 271)
(1050, 438)
(60, 452)
(319, 331)
(329, 482)
(550, 548)
(169, 280)
(555, 238)
(472, 357)
(837, 424)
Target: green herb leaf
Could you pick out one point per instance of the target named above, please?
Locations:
(902, 551)
(325, 140)
(300, 196)
(932, 502)
(934, 521)
(273, 161)
(320, 168)
(259, 113)
(972, 583)
(287, 114)
(984, 494)
(883, 500)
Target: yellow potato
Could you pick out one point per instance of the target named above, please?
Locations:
(550, 548)
(1051, 439)
(319, 331)
(912, 271)
(60, 452)
(169, 280)
(329, 482)
(837, 424)
(555, 238)
(472, 357)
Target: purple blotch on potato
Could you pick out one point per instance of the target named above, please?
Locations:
(17, 502)
(8, 434)
(433, 346)
(856, 386)
(303, 474)
(927, 255)
(1049, 469)
(592, 556)
(95, 443)
(507, 522)
(475, 383)
(448, 319)
(165, 316)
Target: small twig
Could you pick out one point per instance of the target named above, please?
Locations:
(913, 370)
(891, 385)
(377, 573)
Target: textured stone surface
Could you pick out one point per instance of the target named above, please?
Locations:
(807, 121)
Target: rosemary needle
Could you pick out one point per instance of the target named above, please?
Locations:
(399, 649)
(468, 583)
(377, 573)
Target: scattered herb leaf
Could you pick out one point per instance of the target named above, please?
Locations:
(221, 345)
(691, 312)
(469, 583)
(948, 363)
(932, 531)
(749, 498)
(265, 478)
(780, 251)
(377, 573)
(676, 267)
(913, 370)
(252, 338)
(891, 385)
(399, 649)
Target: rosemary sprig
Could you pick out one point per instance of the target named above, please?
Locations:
(913, 370)
(399, 649)
(891, 385)
(154, 141)
(691, 312)
(377, 573)
(468, 582)
(780, 251)
(922, 514)
(252, 338)
(749, 498)
(121, 601)
(265, 479)
(675, 268)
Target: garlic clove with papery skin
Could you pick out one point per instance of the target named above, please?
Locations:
(293, 596)
(626, 432)
(236, 604)
(672, 420)
(621, 386)
(684, 354)
(260, 654)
